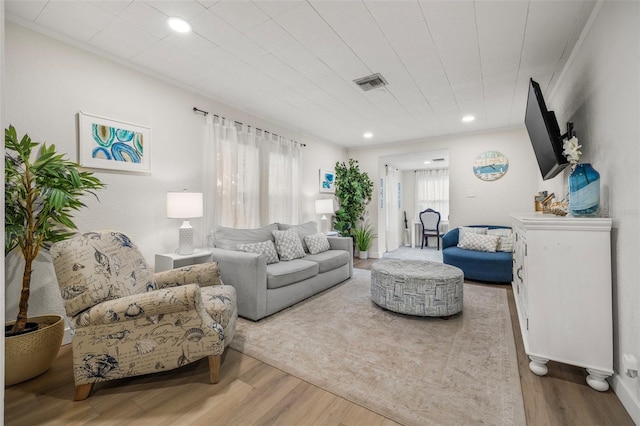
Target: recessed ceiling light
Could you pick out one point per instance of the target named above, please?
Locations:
(179, 25)
(427, 162)
(367, 135)
(468, 118)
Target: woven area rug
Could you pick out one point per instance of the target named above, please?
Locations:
(413, 370)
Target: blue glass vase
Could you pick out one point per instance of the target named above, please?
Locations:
(584, 190)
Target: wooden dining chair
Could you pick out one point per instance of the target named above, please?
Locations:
(430, 220)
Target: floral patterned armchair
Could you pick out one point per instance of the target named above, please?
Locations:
(129, 321)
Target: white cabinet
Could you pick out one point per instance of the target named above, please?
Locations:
(167, 261)
(562, 289)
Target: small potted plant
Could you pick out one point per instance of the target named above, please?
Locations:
(364, 237)
(42, 189)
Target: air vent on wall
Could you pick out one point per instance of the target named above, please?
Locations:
(373, 81)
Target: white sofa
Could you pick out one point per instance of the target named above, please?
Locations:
(264, 289)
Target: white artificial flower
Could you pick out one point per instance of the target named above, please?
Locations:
(572, 151)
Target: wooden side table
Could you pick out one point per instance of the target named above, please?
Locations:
(167, 261)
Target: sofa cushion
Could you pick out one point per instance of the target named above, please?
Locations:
(329, 260)
(480, 265)
(284, 273)
(229, 238)
(308, 228)
(265, 247)
(479, 242)
(111, 257)
(505, 243)
(288, 244)
(317, 243)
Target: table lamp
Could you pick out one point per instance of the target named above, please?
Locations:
(184, 205)
(325, 207)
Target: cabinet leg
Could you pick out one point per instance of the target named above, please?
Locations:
(597, 379)
(538, 365)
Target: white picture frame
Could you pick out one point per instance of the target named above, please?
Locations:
(104, 143)
(327, 181)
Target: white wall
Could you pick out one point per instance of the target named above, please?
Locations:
(317, 156)
(2, 292)
(493, 201)
(600, 94)
(47, 82)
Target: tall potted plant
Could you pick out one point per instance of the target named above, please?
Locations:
(40, 195)
(353, 190)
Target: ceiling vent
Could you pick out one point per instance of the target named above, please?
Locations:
(373, 81)
(438, 159)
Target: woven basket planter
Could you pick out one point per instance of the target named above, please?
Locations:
(31, 354)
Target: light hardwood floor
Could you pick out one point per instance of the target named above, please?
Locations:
(251, 392)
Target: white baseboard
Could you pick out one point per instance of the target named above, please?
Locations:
(68, 335)
(627, 397)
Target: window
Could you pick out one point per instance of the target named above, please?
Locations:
(432, 191)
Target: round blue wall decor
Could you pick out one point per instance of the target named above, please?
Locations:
(490, 165)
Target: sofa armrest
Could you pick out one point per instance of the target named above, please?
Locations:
(346, 244)
(247, 273)
(204, 274)
(450, 239)
(128, 308)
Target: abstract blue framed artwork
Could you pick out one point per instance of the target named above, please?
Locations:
(327, 181)
(113, 145)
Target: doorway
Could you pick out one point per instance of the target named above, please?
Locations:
(399, 196)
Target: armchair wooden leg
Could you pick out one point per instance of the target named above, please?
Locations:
(214, 368)
(82, 392)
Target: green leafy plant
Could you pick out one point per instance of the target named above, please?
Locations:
(353, 190)
(40, 195)
(364, 237)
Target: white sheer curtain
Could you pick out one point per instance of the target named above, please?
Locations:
(284, 180)
(392, 222)
(232, 179)
(248, 201)
(220, 174)
(251, 179)
(432, 191)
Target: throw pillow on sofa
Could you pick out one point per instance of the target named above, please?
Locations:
(463, 230)
(264, 247)
(288, 244)
(505, 243)
(317, 243)
(479, 242)
(303, 230)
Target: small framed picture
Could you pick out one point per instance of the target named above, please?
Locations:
(114, 145)
(327, 181)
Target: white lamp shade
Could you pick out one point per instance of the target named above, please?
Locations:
(184, 205)
(325, 206)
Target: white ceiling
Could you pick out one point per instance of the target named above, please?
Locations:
(293, 62)
(436, 159)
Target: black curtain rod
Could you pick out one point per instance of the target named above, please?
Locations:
(237, 122)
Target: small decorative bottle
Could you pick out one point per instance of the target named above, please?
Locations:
(584, 190)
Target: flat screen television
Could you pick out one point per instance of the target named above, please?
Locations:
(544, 134)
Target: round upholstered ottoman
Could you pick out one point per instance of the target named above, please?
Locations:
(417, 287)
